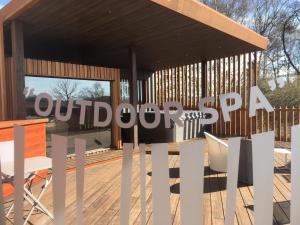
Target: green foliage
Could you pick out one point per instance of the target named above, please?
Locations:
(288, 96)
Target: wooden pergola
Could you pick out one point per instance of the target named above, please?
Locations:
(178, 42)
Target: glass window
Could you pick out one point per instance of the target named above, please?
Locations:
(94, 90)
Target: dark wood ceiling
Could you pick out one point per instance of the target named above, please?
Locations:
(99, 32)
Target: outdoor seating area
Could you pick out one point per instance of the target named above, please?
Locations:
(102, 194)
(83, 84)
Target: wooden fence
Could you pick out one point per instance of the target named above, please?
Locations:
(230, 74)
(280, 120)
(184, 83)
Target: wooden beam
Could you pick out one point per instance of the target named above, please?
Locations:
(15, 8)
(17, 71)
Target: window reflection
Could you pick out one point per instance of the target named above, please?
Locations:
(66, 89)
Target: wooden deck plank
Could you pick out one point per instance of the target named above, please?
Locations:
(102, 194)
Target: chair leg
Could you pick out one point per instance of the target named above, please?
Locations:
(9, 210)
(36, 200)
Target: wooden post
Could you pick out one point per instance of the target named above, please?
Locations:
(285, 124)
(116, 130)
(133, 91)
(17, 71)
(3, 84)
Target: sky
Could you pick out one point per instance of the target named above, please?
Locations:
(3, 3)
(43, 84)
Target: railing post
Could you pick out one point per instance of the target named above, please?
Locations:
(285, 124)
(279, 123)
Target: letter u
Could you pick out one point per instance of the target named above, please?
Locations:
(58, 114)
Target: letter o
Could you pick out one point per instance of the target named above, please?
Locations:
(132, 120)
(37, 104)
(156, 116)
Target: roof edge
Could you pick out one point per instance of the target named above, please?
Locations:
(16, 7)
(206, 15)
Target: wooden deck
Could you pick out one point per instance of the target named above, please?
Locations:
(102, 195)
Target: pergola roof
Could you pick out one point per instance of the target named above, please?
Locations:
(164, 33)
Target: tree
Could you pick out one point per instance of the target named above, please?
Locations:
(95, 93)
(266, 17)
(291, 40)
(234, 9)
(65, 89)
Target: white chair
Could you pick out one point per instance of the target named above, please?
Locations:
(31, 168)
(217, 153)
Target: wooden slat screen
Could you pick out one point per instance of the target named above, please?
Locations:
(230, 74)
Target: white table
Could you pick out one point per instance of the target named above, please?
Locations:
(32, 166)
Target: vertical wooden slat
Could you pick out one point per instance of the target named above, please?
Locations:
(186, 86)
(191, 79)
(293, 116)
(224, 91)
(178, 80)
(154, 88)
(285, 124)
(279, 123)
(268, 122)
(274, 120)
(215, 93)
(234, 124)
(261, 121)
(239, 91)
(219, 92)
(215, 83)
(255, 78)
(210, 78)
(161, 88)
(299, 115)
(204, 80)
(133, 90)
(181, 84)
(164, 85)
(197, 92)
(167, 87)
(228, 126)
(182, 94)
(171, 72)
